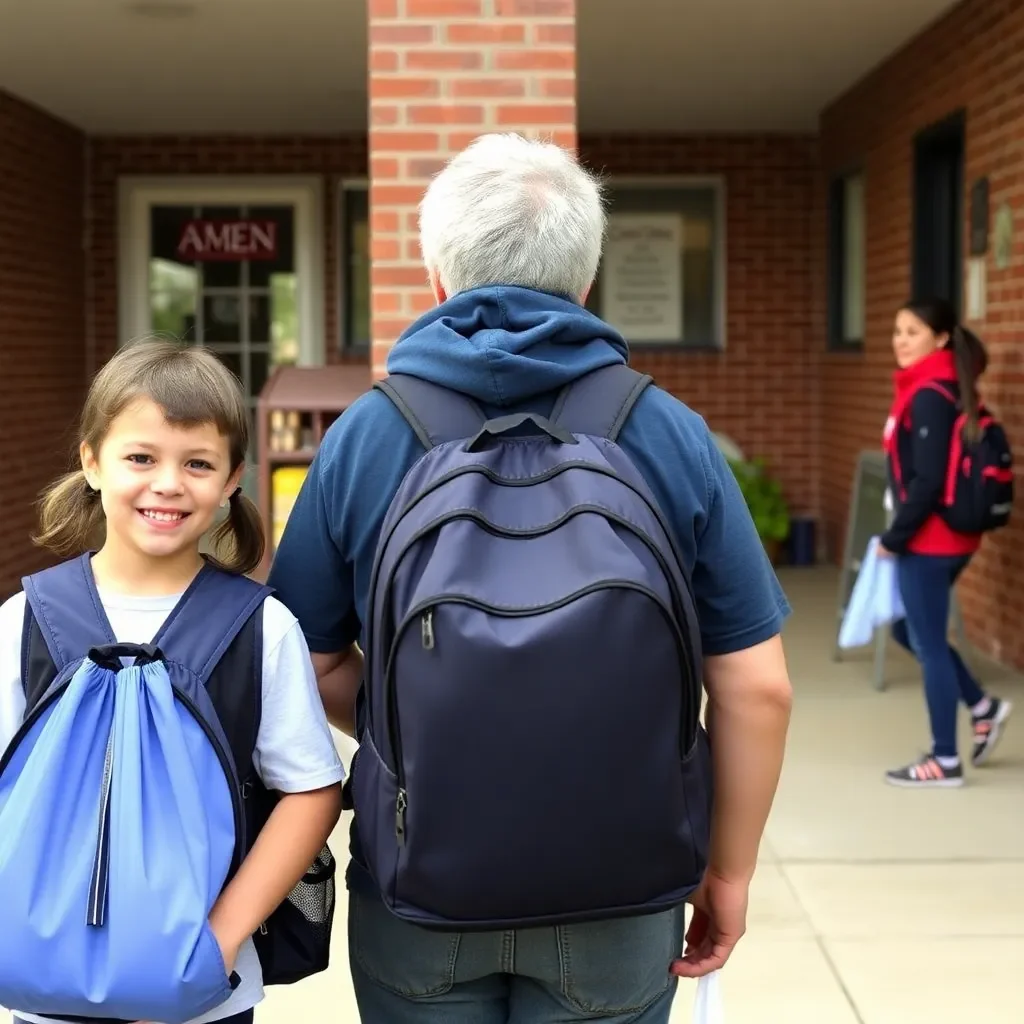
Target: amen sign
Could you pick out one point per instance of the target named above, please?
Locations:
(208, 240)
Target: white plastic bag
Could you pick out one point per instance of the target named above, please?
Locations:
(875, 601)
(707, 1007)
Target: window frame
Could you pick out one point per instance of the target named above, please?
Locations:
(136, 194)
(344, 343)
(716, 185)
(713, 183)
(836, 263)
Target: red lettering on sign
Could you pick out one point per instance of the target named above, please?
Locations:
(206, 240)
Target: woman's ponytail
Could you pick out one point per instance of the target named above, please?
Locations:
(240, 540)
(971, 361)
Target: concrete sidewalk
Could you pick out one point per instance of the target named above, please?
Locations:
(871, 904)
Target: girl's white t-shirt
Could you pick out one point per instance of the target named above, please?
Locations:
(295, 750)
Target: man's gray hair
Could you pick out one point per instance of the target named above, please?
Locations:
(512, 211)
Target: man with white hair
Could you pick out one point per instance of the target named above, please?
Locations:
(544, 556)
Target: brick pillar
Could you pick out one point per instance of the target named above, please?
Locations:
(441, 73)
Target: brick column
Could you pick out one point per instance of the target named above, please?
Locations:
(441, 73)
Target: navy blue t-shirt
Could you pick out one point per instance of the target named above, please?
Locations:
(512, 349)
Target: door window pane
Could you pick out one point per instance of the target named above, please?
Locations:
(173, 284)
(259, 319)
(284, 327)
(232, 360)
(222, 318)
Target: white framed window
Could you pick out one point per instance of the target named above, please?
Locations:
(662, 279)
(234, 264)
(847, 261)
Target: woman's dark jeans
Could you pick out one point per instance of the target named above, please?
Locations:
(925, 585)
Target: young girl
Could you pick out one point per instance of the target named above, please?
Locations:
(932, 348)
(164, 434)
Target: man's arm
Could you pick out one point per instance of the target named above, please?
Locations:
(749, 702)
(742, 609)
(338, 677)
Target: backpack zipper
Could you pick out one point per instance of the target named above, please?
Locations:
(425, 613)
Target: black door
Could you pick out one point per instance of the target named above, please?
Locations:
(939, 210)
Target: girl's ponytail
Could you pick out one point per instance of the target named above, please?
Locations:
(241, 536)
(971, 361)
(70, 516)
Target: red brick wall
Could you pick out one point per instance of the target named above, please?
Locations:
(762, 389)
(332, 158)
(42, 321)
(441, 73)
(971, 59)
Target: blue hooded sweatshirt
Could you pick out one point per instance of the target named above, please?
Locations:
(512, 349)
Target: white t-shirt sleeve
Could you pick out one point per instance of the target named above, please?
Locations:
(12, 696)
(295, 749)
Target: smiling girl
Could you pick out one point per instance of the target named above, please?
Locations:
(163, 439)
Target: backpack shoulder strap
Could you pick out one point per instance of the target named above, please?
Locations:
(434, 413)
(66, 607)
(209, 616)
(934, 385)
(599, 403)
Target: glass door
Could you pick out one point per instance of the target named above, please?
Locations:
(225, 277)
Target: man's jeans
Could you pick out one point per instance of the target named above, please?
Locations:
(612, 971)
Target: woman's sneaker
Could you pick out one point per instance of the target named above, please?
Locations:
(988, 728)
(927, 773)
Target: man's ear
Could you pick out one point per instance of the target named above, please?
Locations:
(440, 295)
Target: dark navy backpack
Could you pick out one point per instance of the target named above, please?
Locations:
(128, 799)
(530, 746)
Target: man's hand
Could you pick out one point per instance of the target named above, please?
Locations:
(882, 551)
(719, 922)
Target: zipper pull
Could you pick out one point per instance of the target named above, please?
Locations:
(427, 629)
(400, 805)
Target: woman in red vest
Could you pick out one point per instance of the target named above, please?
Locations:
(939, 362)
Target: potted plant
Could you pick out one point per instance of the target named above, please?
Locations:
(767, 505)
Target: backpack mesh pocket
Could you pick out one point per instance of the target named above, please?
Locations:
(295, 942)
(314, 896)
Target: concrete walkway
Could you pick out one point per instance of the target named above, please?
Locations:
(871, 904)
